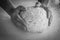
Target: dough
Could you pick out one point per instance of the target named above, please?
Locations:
(31, 19)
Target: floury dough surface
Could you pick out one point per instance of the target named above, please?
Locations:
(36, 20)
(9, 31)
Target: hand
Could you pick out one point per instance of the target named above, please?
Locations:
(7, 28)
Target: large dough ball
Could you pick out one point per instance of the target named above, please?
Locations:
(35, 19)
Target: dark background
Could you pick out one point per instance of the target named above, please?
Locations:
(7, 6)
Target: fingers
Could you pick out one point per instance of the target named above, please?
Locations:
(17, 18)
